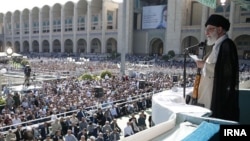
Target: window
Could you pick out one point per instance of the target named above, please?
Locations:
(81, 23)
(247, 20)
(45, 26)
(94, 22)
(68, 24)
(57, 25)
(26, 28)
(35, 27)
(110, 15)
(219, 9)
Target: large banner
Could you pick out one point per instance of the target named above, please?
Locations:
(209, 3)
(154, 17)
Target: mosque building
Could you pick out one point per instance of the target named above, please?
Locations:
(132, 27)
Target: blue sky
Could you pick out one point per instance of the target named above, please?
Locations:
(12, 5)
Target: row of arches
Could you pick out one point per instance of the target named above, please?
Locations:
(156, 45)
(57, 17)
(242, 43)
(68, 44)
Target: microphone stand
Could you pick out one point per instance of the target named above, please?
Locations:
(186, 51)
(184, 73)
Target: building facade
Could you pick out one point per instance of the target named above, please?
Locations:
(104, 26)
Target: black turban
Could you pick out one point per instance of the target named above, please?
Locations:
(218, 20)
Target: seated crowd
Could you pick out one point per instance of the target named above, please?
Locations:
(68, 109)
(69, 106)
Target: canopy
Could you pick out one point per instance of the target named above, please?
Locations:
(21, 88)
(243, 3)
(212, 3)
(209, 3)
(4, 54)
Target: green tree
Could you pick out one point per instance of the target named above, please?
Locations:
(86, 77)
(24, 62)
(171, 54)
(103, 74)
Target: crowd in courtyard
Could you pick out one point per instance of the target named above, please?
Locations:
(69, 109)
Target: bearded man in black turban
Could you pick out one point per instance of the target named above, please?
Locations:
(218, 89)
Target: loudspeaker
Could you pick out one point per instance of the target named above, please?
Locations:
(141, 84)
(175, 78)
(27, 71)
(98, 91)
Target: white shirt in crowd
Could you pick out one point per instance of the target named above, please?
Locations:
(113, 111)
(128, 130)
(16, 121)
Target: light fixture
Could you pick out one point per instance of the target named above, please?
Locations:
(9, 51)
(89, 0)
(222, 2)
(118, 1)
(3, 70)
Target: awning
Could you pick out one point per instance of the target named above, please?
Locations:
(209, 3)
(212, 3)
(243, 3)
(4, 54)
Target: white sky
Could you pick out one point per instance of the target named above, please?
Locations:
(12, 5)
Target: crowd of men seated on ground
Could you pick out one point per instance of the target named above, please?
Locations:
(122, 96)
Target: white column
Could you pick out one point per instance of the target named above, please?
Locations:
(30, 32)
(121, 34)
(114, 20)
(119, 28)
(40, 31)
(173, 29)
(62, 28)
(51, 29)
(129, 25)
(5, 31)
(75, 16)
(21, 32)
(1, 79)
(12, 30)
(104, 26)
(203, 21)
(237, 14)
(88, 26)
(231, 19)
(139, 19)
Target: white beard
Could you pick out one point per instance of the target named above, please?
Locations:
(212, 39)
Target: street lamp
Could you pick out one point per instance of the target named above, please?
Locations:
(9, 51)
(33, 79)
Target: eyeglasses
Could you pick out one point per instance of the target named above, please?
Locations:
(210, 29)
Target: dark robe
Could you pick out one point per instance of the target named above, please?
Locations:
(225, 96)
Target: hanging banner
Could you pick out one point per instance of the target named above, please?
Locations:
(243, 3)
(209, 3)
(154, 17)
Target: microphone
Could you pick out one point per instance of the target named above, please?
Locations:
(201, 44)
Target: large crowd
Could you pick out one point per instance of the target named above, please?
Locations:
(69, 109)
